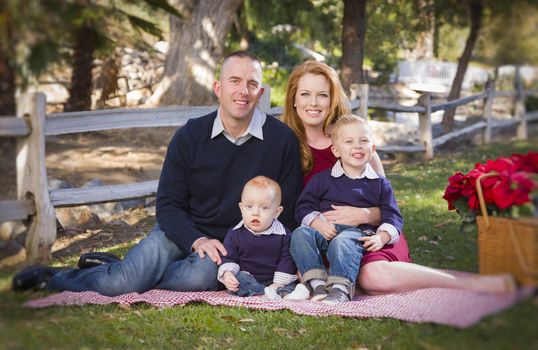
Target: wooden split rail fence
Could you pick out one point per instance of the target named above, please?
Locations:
(35, 203)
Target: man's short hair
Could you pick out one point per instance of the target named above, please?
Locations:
(241, 54)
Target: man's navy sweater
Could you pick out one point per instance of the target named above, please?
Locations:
(202, 178)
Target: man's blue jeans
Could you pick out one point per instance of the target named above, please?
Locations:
(155, 262)
(344, 253)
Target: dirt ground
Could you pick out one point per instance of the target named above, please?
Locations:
(114, 157)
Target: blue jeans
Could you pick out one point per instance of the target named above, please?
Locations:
(249, 286)
(344, 253)
(155, 262)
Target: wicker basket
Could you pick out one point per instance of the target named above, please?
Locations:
(507, 245)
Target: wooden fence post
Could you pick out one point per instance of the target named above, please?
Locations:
(519, 110)
(425, 125)
(488, 107)
(363, 97)
(264, 105)
(32, 178)
(360, 91)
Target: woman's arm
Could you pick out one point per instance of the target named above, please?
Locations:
(376, 164)
(353, 216)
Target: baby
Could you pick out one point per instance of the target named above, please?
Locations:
(259, 259)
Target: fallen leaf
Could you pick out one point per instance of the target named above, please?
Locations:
(125, 306)
(230, 318)
(442, 224)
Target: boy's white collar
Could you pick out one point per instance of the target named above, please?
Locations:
(368, 171)
(276, 228)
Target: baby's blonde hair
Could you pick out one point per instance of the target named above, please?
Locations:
(263, 182)
(346, 120)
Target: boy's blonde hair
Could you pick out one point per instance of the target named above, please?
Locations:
(263, 182)
(346, 120)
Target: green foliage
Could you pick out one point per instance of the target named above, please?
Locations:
(509, 36)
(389, 30)
(41, 54)
(44, 31)
(531, 103)
(304, 21)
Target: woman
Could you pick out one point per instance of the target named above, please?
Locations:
(314, 100)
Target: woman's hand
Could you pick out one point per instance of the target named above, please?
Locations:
(375, 242)
(326, 229)
(230, 282)
(352, 216)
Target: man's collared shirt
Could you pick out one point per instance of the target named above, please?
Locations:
(255, 128)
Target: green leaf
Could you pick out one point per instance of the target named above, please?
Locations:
(42, 54)
(148, 27)
(164, 5)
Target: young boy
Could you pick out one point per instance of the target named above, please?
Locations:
(350, 182)
(258, 256)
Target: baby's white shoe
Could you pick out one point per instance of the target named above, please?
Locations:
(299, 293)
(271, 294)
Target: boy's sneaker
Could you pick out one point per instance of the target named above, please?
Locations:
(299, 293)
(336, 296)
(319, 293)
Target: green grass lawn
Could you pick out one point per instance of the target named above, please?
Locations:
(434, 239)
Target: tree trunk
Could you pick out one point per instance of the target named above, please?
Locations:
(7, 86)
(476, 21)
(7, 76)
(353, 33)
(80, 89)
(241, 29)
(424, 48)
(7, 105)
(196, 46)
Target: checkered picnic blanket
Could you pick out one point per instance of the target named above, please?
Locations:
(451, 307)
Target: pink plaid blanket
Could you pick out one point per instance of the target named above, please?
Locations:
(451, 307)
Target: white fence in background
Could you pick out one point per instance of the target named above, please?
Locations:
(437, 73)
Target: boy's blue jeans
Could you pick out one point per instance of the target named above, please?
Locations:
(344, 253)
(155, 262)
(249, 286)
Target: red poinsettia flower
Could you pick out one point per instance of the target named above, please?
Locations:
(527, 162)
(458, 185)
(499, 165)
(511, 185)
(513, 190)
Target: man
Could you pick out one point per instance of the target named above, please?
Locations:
(207, 163)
